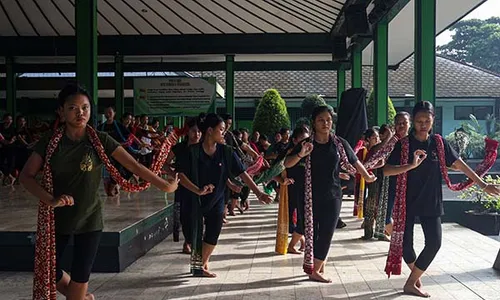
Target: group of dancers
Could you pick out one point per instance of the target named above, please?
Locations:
(72, 157)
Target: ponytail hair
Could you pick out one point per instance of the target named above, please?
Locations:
(205, 121)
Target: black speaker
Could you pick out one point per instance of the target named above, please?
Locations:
(339, 50)
(356, 20)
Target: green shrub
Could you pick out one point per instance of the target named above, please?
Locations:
(310, 103)
(489, 203)
(370, 110)
(271, 114)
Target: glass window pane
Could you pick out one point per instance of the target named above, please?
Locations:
(463, 112)
(481, 111)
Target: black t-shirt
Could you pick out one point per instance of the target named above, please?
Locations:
(325, 169)
(213, 170)
(424, 194)
(297, 173)
(7, 133)
(280, 147)
(111, 129)
(181, 152)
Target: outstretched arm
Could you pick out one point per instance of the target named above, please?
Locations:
(460, 165)
(126, 160)
(263, 197)
(366, 175)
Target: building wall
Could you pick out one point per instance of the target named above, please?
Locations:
(448, 121)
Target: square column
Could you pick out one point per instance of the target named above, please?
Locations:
(230, 107)
(380, 72)
(356, 67)
(425, 50)
(86, 49)
(11, 86)
(119, 87)
(340, 83)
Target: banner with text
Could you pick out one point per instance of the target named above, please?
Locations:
(173, 96)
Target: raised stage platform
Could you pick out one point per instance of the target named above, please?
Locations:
(133, 224)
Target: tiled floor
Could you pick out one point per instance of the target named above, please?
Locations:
(248, 268)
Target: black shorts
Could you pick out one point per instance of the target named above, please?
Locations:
(85, 247)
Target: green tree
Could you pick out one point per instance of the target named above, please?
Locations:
(271, 114)
(370, 110)
(310, 103)
(476, 42)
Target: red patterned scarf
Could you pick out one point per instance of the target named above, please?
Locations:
(44, 279)
(394, 259)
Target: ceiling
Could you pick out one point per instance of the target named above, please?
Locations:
(402, 29)
(200, 30)
(171, 17)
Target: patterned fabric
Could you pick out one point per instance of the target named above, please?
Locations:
(382, 208)
(277, 168)
(283, 222)
(393, 264)
(382, 153)
(490, 156)
(371, 206)
(308, 265)
(256, 166)
(44, 279)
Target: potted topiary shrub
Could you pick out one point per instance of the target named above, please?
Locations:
(485, 219)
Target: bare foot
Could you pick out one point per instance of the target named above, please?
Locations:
(389, 228)
(315, 276)
(207, 273)
(89, 297)
(411, 289)
(322, 270)
(293, 251)
(419, 283)
(186, 248)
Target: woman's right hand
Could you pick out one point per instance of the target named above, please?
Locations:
(306, 149)
(63, 200)
(207, 189)
(418, 157)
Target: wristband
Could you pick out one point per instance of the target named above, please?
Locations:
(298, 155)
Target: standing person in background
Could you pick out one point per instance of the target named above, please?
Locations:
(182, 195)
(23, 143)
(402, 124)
(120, 134)
(7, 151)
(296, 193)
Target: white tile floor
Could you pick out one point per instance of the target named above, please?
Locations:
(248, 268)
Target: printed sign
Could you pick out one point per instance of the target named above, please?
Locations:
(173, 96)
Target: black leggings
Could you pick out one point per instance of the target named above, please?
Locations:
(326, 214)
(296, 202)
(7, 160)
(433, 235)
(185, 217)
(213, 227)
(85, 247)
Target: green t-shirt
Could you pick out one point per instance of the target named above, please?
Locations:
(72, 175)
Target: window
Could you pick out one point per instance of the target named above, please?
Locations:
(480, 112)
